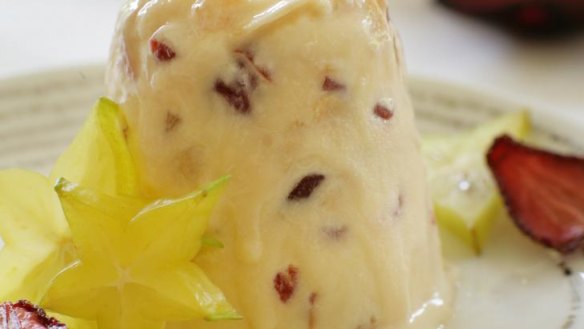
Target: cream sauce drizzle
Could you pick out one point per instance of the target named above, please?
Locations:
(281, 10)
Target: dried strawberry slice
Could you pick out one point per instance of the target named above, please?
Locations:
(542, 191)
(24, 315)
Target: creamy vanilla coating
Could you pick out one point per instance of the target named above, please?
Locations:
(327, 222)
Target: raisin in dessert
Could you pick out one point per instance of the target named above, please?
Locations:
(326, 222)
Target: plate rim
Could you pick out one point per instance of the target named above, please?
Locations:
(542, 117)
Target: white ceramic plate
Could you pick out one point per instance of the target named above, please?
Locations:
(515, 284)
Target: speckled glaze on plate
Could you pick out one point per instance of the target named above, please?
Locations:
(515, 284)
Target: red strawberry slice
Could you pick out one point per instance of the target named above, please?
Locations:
(543, 191)
(24, 315)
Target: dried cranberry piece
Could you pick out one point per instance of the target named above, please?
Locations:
(235, 94)
(331, 85)
(285, 283)
(305, 187)
(161, 51)
(383, 112)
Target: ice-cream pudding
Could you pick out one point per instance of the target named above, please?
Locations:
(327, 222)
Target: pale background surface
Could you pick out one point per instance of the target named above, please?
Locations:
(38, 35)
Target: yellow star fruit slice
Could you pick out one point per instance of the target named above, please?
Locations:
(73, 323)
(98, 157)
(32, 226)
(466, 201)
(34, 235)
(135, 268)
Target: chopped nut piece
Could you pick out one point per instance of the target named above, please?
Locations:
(172, 120)
(250, 60)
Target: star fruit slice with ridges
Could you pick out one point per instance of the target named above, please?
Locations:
(99, 157)
(34, 235)
(135, 269)
(35, 240)
(466, 201)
